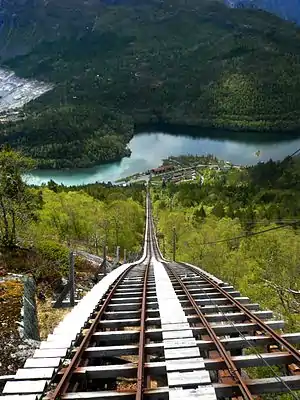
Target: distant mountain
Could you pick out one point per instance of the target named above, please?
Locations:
(115, 66)
(26, 23)
(286, 9)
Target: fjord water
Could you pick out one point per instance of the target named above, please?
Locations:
(149, 149)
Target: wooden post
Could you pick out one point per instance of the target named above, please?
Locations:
(174, 243)
(118, 255)
(125, 254)
(72, 279)
(104, 259)
(96, 245)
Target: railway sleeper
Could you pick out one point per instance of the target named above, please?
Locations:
(156, 334)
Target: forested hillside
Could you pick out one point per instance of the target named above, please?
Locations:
(40, 225)
(39, 228)
(117, 65)
(242, 226)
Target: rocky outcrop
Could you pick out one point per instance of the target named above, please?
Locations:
(15, 92)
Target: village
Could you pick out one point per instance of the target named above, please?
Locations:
(181, 169)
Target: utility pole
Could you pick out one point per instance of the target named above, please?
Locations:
(174, 243)
(72, 279)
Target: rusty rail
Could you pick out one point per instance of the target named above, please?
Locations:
(233, 370)
(64, 382)
(142, 341)
(252, 317)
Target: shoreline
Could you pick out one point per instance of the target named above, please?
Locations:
(190, 131)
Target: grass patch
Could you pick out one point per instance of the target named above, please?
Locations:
(49, 317)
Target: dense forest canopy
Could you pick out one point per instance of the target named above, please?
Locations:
(116, 65)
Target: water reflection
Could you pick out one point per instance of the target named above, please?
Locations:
(149, 149)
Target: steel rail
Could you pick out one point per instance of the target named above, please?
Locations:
(64, 382)
(252, 317)
(142, 341)
(233, 370)
(155, 248)
(63, 385)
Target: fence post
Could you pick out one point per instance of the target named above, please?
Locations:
(174, 243)
(118, 255)
(30, 320)
(96, 245)
(104, 258)
(72, 279)
(125, 254)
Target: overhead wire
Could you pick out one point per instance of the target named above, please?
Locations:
(295, 152)
(296, 397)
(286, 223)
(247, 235)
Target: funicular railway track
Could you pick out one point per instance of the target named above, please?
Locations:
(111, 355)
(165, 330)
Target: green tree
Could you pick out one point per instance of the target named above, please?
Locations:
(52, 185)
(218, 210)
(76, 219)
(199, 214)
(18, 203)
(230, 211)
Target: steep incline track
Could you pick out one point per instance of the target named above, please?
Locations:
(214, 306)
(161, 330)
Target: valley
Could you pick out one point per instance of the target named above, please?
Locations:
(149, 149)
(202, 102)
(119, 66)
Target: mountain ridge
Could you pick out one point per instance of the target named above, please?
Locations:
(173, 62)
(288, 9)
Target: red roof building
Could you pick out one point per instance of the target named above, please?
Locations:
(162, 169)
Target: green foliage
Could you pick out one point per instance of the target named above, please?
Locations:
(78, 220)
(49, 221)
(199, 214)
(107, 192)
(218, 210)
(117, 66)
(70, 136)
(18, 203)
(264, 267)
(71, 215)
(56, 255)
(267, 191)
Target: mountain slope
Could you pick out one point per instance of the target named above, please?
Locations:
(25, 23)
(287, 9)
(197, 63)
